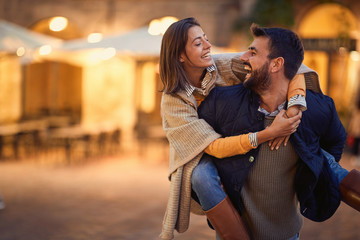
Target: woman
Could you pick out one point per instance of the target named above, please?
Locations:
(189, 73)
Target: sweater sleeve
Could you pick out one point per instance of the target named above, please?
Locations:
(296, 92)
(187, 134)
(333, 138)
(229, 146)
(297, 86)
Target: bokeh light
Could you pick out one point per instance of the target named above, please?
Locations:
(45, 50)
(20, 51)
(159, 26)
(94, 37)
(58, 24)
(108, 53)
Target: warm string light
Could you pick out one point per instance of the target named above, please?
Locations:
(94, 37)
(45, 50)
(159, 26)
(355, 56)
(20, 51)
(58, 24)
(107, 53)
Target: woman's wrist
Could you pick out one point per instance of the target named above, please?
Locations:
(265, 135)
(254, 139)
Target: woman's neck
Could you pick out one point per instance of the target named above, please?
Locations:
(196, 76)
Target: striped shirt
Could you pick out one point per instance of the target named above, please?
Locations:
(189, 89)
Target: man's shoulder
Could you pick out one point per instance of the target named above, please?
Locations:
(228, 91)
(319, 106)
(318, 97)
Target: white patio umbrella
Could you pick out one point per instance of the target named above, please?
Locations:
(14, 37)
(137, 42)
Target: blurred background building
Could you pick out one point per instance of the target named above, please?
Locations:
(85, 72)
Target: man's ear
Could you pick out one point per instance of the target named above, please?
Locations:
(277, 64)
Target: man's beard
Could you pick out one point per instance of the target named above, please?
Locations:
(259, 79)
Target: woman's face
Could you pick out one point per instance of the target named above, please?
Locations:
(197, 50)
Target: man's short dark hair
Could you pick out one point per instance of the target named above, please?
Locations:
(283, 43)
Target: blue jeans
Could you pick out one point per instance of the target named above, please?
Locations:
(206, 184)
(296, 237)
(339, 171)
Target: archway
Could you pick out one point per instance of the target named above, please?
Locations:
(53, 87)
(59, 27)
(330, 35)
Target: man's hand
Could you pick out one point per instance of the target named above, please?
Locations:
(275, 143)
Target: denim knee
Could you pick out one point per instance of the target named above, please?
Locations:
(204, 176)
(206, 184)
(339, 171)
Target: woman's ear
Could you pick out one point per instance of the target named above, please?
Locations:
(181, 59)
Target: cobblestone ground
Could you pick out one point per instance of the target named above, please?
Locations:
(113, 198)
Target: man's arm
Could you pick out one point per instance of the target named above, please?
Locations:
(334, 138)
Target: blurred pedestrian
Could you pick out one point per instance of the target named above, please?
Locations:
(354, 133)
(2, 205)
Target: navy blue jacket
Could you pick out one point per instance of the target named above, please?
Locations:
(233, 110)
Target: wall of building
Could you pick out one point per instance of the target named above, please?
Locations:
(110, 16)
(52, 88)
(327, 24)
(10, 88)
(216, 18)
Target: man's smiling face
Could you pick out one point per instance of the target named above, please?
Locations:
(257, 64)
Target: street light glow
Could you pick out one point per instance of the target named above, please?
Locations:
(355, 56)
(45, 50)
(159, 26)
(108, 53)
(58, 24)
(20, 51)
(94, 37)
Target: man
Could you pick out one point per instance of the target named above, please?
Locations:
(266, 186)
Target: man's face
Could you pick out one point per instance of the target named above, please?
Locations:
(257, 64)
(259, 80)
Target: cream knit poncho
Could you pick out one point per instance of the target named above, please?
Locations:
(188, 137)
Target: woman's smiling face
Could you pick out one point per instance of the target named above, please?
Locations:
(197, 50)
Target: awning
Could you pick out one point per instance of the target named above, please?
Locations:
(137, 42)
(13, 37)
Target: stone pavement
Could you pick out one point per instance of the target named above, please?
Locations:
(116, 198)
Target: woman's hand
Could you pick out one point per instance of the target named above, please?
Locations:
(285, 123)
